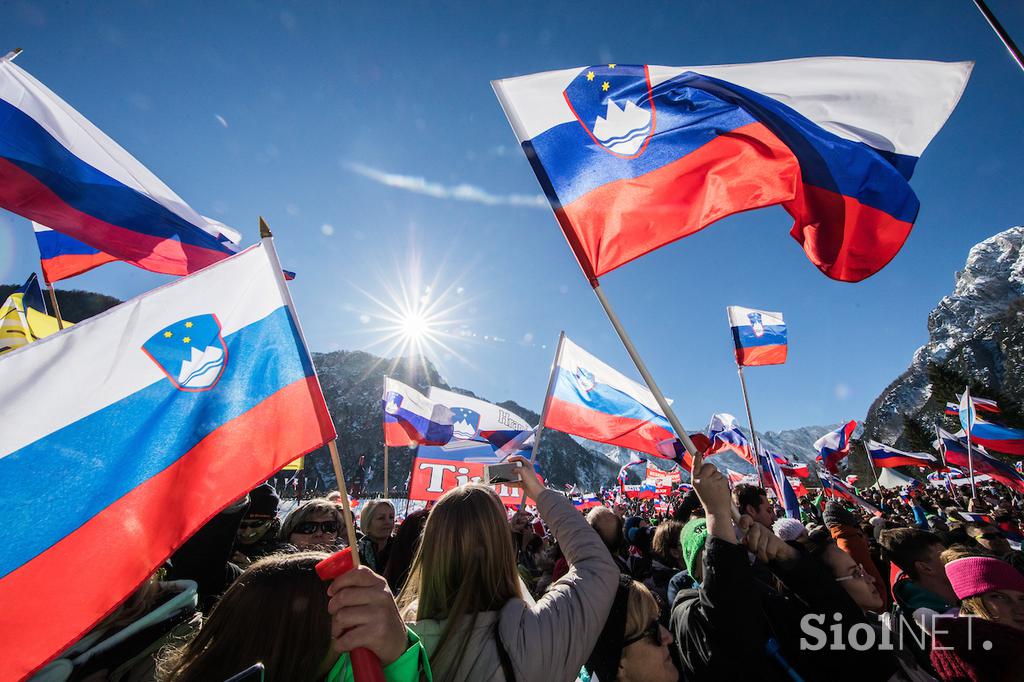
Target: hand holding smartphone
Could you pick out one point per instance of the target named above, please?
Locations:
(506, 472)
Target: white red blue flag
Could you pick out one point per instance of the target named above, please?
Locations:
(412, 418)
(58, 169)
(184, 399)
(724, 434)
(633, 157)
(841, 490)
(794, 469)
(591, 400)
(61, 256)
(966, 412)
(954, 452)
(884, 456)
(759, 336)
(835, 446)
(776, 480)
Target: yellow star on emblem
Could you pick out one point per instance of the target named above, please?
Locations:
(611, 66)
(188, 325)
(605, 86)
(168, 334)
(590, 75)
(187, 339)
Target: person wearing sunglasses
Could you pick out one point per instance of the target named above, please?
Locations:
(633, 645)
(317, 524)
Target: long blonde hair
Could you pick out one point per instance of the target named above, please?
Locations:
(465, 564)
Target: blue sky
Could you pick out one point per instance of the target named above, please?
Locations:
(369, 137)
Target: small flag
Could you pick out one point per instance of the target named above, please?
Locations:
(841, 490)
(23, 317)
(591, 400)
(776, 480)
(797, 469)
(61, 256)
(835, 446)
(724, 434)
(884, 456)
(759, 336)
(410, 417)
(634, 461)
(966, 411)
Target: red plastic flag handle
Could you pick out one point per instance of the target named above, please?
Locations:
(366, 666)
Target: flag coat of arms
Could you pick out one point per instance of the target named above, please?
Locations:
(146, 446)
(759, 336)
(411, 418)
(591, 400)
(633, 157)
(58, 169)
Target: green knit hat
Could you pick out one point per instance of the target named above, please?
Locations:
(692, 537)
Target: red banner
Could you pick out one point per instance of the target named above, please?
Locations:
(431, 478)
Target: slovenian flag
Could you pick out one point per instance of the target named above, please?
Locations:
(591, 400)
(886, 457)
(412, 418)
(61, 256)
(954, 451)
(841, 490)
(835, 446)
(759, 336)
(58, 169)
(184, 399)
(997, 437)
(724, 434)
(776, 480)
(633, 157)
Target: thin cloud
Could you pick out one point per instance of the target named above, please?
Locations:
(460, 192)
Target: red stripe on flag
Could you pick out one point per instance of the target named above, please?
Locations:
(62, 267)
(395, 436)
(739, 170)
(51, 601)
(606, 428)
(845, 239)
(23, 194)
(761, 355)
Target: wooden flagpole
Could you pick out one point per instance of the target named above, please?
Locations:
(387, 493)
(750, 422)
(871, 463)
(544, 410)
(681, 434)
(53, 304)
(967, 429)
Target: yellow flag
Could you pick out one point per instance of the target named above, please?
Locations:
(20, 325)
(297, 465)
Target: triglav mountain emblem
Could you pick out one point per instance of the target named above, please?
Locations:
(465, 423)
(613, 104)
(757, 323)
(585, 380)
(191, 352)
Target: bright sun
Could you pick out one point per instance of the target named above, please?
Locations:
(415, 326)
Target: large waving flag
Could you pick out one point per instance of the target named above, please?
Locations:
(23, 317)
(58, 169)
(835, 446)
(954, 451)
(884, 456)
(412, 418)
(724, 434)
(591, 400)
(479, 421)
(61, 256)
(184, 398)
(997, 437)
(633, 157)
(759, 336)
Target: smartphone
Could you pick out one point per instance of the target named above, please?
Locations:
(509, 472)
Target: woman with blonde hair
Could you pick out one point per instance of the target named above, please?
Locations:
(464, 593)
(377, 522)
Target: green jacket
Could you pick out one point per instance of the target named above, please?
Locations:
(407, 668)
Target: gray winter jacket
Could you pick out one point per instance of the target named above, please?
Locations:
(549, 641)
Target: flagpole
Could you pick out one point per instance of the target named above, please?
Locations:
(386, 494)
(681, 434)
(871, 462)
(1000, 32)
(750, 423)
(967, 429)
(12, 55)
(53, 302)
(544, 410)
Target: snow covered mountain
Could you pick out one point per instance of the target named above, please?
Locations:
(976, 336)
